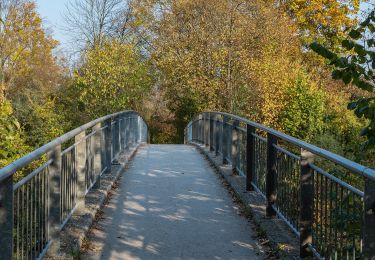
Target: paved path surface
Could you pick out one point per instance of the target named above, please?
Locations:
(171, 205)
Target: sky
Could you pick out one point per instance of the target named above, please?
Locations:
(52, 12)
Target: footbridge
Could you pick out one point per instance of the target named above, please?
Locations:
(168, 202)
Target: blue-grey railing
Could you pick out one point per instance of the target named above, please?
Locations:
(34, 210)
(333, 217)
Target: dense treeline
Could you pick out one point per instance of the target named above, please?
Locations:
(172, 59)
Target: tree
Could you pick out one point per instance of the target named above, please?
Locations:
(25, 48)
(12, 145)
(212, 55)
(357, 68)
(321, 20)
(90, 22)
(303, 117)
(113, 77)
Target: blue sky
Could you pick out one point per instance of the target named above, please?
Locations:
(52, 13)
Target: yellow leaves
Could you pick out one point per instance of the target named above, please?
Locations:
(26, 48)
(322, 19)
(113, 78)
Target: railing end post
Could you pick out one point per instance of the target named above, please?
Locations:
(54, 200)
(235, 145)
(6, 218)
(369, 220)
(250, 156)
(224, 138)
(307, 203)
(271, 175)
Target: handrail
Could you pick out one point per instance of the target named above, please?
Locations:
(311, 200)
(36, 154)
(350, 165)
(44, 200)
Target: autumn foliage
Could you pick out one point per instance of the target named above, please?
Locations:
(172, 59)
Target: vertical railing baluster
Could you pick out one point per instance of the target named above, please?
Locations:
(54, 199)
(307, 203)
(271, 174)
(6, 218)
(234, 145)
(250, 156)
(369, 220)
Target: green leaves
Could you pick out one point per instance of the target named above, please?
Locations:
(348, 44)
(353, 69)
(12, 143)
(323, 51)
(355, 34)
(304, 115)
(364, 85)
(113, 78)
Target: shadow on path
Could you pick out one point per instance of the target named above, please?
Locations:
(171, 205)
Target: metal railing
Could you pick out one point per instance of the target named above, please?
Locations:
(332, 217)
(34, 210)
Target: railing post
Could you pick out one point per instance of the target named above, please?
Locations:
(113, 138)
(192, 129)
(97, 143)
(203, 129)
(54, 199)
(131, 129)
(200, 129)
(250, 156)
(307, 203)
(225, 139)
(81, 171)
(197, 129)
(206, 129)
(6, 218)
(139, 130)
(127, 132)
(369, 220)
(234, 146)
(211, 118)
(217, 134)
(271, 174)
(122, 133)
(108, 143)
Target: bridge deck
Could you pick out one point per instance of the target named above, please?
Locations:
(171, 205)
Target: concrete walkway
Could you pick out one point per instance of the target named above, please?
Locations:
(171, 205)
